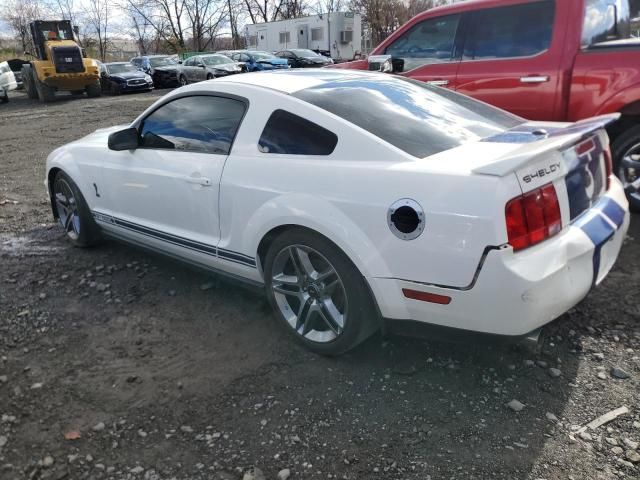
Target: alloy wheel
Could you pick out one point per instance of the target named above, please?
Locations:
(629, 172)
(67, 207)
(309, 293)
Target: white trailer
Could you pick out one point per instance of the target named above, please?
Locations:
(338, 33)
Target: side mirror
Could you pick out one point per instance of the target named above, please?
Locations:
(385, 63)
(126, 139)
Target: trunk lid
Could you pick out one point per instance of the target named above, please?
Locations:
(577, 152)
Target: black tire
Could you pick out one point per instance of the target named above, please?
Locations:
(361, 319)
(182, 81)
(5, 98)
(28, 80)
(619, 147)
(46, 93)
(209, 76)
(94, 90)
(87, 233)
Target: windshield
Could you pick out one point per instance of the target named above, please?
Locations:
(161, 61)
(216, 60)
(304, 53)
(262, 55)
(606, 20)
(420, 119)
(121, 68)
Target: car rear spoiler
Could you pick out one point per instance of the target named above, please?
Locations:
(556, 140)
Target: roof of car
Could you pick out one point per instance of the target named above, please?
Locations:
(290, 81)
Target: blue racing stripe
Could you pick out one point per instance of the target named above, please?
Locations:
(224, 254)
(613, 211)
(597, 229)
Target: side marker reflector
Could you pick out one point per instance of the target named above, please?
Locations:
(426, 297)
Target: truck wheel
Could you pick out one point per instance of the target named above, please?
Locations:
(626, 164)
(94, 90)
(46, 94)
(29, 82)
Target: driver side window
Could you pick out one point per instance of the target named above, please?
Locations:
(201, 124)
(431, 41)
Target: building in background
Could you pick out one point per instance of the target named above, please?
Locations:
(338, 34)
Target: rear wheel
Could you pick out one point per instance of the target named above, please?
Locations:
(626, 157)
(29, 81)
(318, 294)
(73, 213)
(183, 80)
(94, 90)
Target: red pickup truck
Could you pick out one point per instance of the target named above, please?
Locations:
(560, 60)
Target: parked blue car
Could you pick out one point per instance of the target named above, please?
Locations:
(256, 60)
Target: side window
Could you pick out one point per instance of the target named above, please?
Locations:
(203, 124)
(507, 32)
(431, 41)
(188, 62)
(294, 135)
(244, 57)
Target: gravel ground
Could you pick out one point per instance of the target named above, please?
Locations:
(115, 363)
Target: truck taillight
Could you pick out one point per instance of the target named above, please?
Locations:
(608, 165)
(533, 217)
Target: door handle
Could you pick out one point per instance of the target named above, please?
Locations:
(535, 79)
(438, 83)
(204, 181)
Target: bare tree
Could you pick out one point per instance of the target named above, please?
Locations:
(165, 17)
(18, 14)
(97, 18)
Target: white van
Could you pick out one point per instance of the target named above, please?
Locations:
(7, 81)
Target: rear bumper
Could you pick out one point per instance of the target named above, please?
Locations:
(515, 293)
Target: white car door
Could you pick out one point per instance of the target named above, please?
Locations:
(165, 193)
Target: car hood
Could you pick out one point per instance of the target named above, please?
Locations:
(227, 67)
(167, 68)
(316, 60)
(128, 75)
(274, 61)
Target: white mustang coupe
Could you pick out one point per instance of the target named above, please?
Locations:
(354, 197)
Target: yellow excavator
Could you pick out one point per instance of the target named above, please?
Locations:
(58, 64)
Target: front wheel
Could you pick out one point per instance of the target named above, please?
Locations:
(209, 76)
(73, 212)
(318, 293)
(94, 90)
(183, 80)
(625, 150)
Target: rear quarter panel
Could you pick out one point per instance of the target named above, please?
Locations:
(346, 196)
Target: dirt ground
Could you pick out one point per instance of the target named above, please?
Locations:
(115, 363)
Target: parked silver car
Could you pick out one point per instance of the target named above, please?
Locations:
(206, 67)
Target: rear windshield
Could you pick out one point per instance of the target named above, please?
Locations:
(420, 119)
(606, 20)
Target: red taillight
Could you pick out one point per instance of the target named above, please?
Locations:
(533, 217)
(608, 166)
